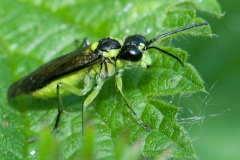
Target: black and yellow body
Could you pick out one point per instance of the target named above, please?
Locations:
(85, 70)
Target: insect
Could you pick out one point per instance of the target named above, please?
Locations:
(85, 70)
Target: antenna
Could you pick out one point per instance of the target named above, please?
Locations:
(167, 34)
(175, 31)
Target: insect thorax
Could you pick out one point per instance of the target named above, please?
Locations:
(109, 49)
(112, 51)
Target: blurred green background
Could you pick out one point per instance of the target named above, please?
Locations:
(212, 119)
(216, 135)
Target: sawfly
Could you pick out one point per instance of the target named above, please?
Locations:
(84, 71)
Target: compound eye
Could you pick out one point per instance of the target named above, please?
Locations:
(133, 55)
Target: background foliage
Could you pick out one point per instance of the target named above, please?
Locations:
(216, 115)
(33, 32)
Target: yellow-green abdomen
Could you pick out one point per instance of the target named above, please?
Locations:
(76, 79)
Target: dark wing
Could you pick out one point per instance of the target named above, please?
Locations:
(61, 66)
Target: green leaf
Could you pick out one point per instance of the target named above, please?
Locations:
(34, 32)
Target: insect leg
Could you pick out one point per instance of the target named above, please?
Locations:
(119, 87)
(69, 88)
(91, 97)
(85, 42)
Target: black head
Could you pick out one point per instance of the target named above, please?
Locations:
(133, 46)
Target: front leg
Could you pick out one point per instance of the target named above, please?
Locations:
(119, 87)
